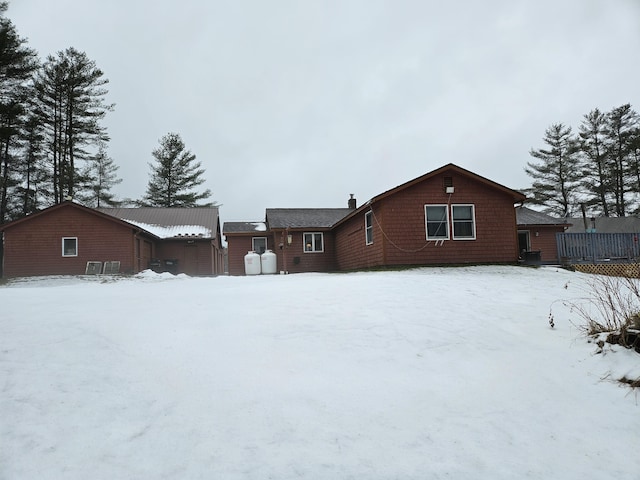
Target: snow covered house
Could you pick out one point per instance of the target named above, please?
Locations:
(447, 216)
(71, 239)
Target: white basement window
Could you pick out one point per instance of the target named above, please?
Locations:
(69, 246)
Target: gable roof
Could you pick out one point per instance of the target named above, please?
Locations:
(305, 217)
(176, 222)
(526, 216)
(606, 225)
(71, 204)
(517, 196)
(450, 167)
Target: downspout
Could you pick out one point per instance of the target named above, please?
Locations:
(284, 235)
(214, 254)
(134, 263)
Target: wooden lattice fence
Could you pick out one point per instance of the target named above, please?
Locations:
(631, 270)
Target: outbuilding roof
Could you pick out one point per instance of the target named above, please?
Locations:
(305, 217)
(201, 222)
(526, 216)
(71, 204)
(244, 227)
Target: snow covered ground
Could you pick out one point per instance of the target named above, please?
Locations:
(420, 374)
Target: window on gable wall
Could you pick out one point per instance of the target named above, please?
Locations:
(313, 242)
(259, 244)
(368, 227)
(437, 220)
(70, 246)
(463, 222)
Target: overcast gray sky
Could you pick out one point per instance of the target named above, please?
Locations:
(299, 103)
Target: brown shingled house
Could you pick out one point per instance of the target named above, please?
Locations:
(70, 239)
(447, 216)
(302, 238)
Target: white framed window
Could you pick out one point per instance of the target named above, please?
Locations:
(313, 242)
(463, 222)
(437, 222)
(368, 227)
(69, 246)
(259, 244)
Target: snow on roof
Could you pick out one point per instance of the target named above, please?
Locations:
(173, 231)
(243, 227)
(173, 222)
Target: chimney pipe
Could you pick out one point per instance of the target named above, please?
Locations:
(352, 202)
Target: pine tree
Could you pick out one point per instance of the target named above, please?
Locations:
(634, 145)
(622, 123)
(32, 191)
(595, 169)
(70, 90)
(17, 64)
(174, 177)
(101, 175)
(556, 178)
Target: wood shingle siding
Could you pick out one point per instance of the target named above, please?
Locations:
(33, 245)
(398, 227)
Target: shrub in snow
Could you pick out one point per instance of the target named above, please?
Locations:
(611, 306)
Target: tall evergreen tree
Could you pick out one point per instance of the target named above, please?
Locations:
(622, 123)
(175, 176)
(634, 159)
(32, 191)
(101, 175)
(70, 90)
(17, 64)
(595, 170)
(556, 178)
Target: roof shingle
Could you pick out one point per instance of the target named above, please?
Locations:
(305, 217)
(526, 216)
(170, 222)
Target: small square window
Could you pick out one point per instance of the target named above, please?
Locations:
(259, 244)
(70, 247)
(313, 242)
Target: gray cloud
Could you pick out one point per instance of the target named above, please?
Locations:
(298, 104)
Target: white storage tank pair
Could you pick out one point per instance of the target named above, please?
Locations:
(255, 264)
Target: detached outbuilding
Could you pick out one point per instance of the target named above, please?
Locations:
(447, 216)
(71, 239)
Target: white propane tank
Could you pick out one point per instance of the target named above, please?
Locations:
(268, 261)
(252, 263)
